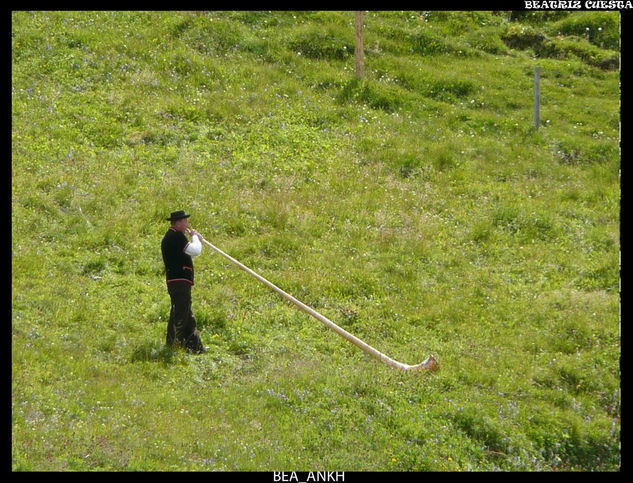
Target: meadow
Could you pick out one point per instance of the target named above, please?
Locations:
(418, 208)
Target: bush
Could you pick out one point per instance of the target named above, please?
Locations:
(574, 152)
(538, 17)
(447, 88)
(602, 29)
(576, 47)
(533, 225)
(425, 43)
(487, 40)
(385, 97)
(211, 36)
(522, 37)
(333, 44)
(479, 427)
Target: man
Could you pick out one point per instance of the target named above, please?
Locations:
(177, 253)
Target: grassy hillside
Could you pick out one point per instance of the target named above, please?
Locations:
(418, 208)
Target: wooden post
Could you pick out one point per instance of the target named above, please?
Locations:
(537, 97)
(360, 61)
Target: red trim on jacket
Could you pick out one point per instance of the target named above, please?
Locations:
(180, 280)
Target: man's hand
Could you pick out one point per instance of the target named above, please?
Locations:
(195, 232)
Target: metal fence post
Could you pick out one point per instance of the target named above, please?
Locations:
(537, 96)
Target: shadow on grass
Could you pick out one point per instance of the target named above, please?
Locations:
(154, 352)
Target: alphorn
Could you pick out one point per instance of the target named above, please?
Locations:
(429, 364)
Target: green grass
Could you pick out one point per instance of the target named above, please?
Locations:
(417, 208)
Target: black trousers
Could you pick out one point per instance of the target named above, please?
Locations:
(181, 328)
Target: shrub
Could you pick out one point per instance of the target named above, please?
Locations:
(602, 29)
(331, 44)
(527, 225)
(425, 43)
(576, 47)
(517, 36)
(480, 427)
(488, 40)
(575, 151)
(538, 17)
(385, 97)
(212, 36)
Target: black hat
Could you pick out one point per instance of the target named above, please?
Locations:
(177, 215)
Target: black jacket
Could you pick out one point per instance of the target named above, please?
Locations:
(178, 265)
